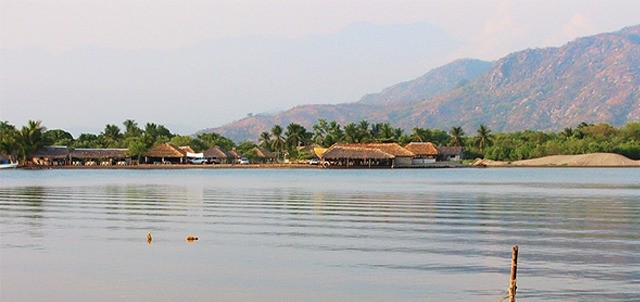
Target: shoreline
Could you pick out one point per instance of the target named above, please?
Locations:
(303, 166)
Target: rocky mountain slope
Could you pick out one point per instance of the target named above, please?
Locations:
(593, 79)
(436, 81)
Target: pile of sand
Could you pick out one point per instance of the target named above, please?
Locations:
(583, 160)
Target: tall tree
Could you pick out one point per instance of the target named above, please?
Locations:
(457, 136)
(31, 139)
(131, 128)
(111, 136)
(8, 140)
(297, 135)
(59, 137)
(277, 143)
(484, 138)
(351, 133)
(265, 140)
(363, 132)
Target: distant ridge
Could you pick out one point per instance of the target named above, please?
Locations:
(438, 80)
(593, 79)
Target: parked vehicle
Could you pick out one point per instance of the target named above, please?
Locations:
(244, 161)
(197, 161)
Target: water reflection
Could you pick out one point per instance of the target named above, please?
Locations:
(282, 238)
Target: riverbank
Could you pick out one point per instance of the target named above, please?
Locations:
(582, 160)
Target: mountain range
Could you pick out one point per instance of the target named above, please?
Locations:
(593, 79)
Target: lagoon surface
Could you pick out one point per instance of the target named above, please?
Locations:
(319, 235)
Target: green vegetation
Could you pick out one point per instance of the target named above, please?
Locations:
(17, 144)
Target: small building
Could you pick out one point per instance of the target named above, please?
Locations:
(165, 154)
(425, 153)
(215, 155)
(450, 153)
(51, 156)
(368, 155)
(99, 156)
(265, 156)
(233, 157)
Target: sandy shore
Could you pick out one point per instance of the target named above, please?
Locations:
(583, 160)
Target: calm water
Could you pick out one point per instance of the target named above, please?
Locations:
(319, 235)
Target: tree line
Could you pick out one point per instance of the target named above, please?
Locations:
(285, 142)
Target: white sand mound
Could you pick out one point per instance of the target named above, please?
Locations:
(583, 160)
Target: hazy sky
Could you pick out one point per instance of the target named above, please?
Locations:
(482, 29)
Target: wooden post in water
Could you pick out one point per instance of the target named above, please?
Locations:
(514, 271)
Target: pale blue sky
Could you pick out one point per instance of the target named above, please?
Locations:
(69, 31)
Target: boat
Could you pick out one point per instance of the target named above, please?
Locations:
(8, 166)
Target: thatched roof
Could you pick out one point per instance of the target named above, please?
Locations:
(187, 149)
(422, 149)
(389, 148)
(215, 152)
(352, 152)
(166, 150)
(233, 154)
(318, 151)
(98, 153)
(450, 150)
(264, 153)
(52, 152)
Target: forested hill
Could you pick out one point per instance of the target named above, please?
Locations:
(593, 79)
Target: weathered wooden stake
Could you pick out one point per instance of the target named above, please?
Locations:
(514, 271)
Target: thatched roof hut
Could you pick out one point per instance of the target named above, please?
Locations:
(90, 153)
(372, 154)
(264, 155)
(52, 152)
(50, 155)
(216, 154)
(232, 155)
(352, 152)
(451, 153)
(422, 150)
(165, 153)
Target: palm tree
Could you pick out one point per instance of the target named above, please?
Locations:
(363, 131)
(484, 138)
(320, 131)
(265, 140)
(351, 133)
(296, 135)
(386, 132)
(131, 128)
(31, 138)
(277, 142)
(567, 132)
(457, 136)
(8, 140)
(111, 135)
(398, 133)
